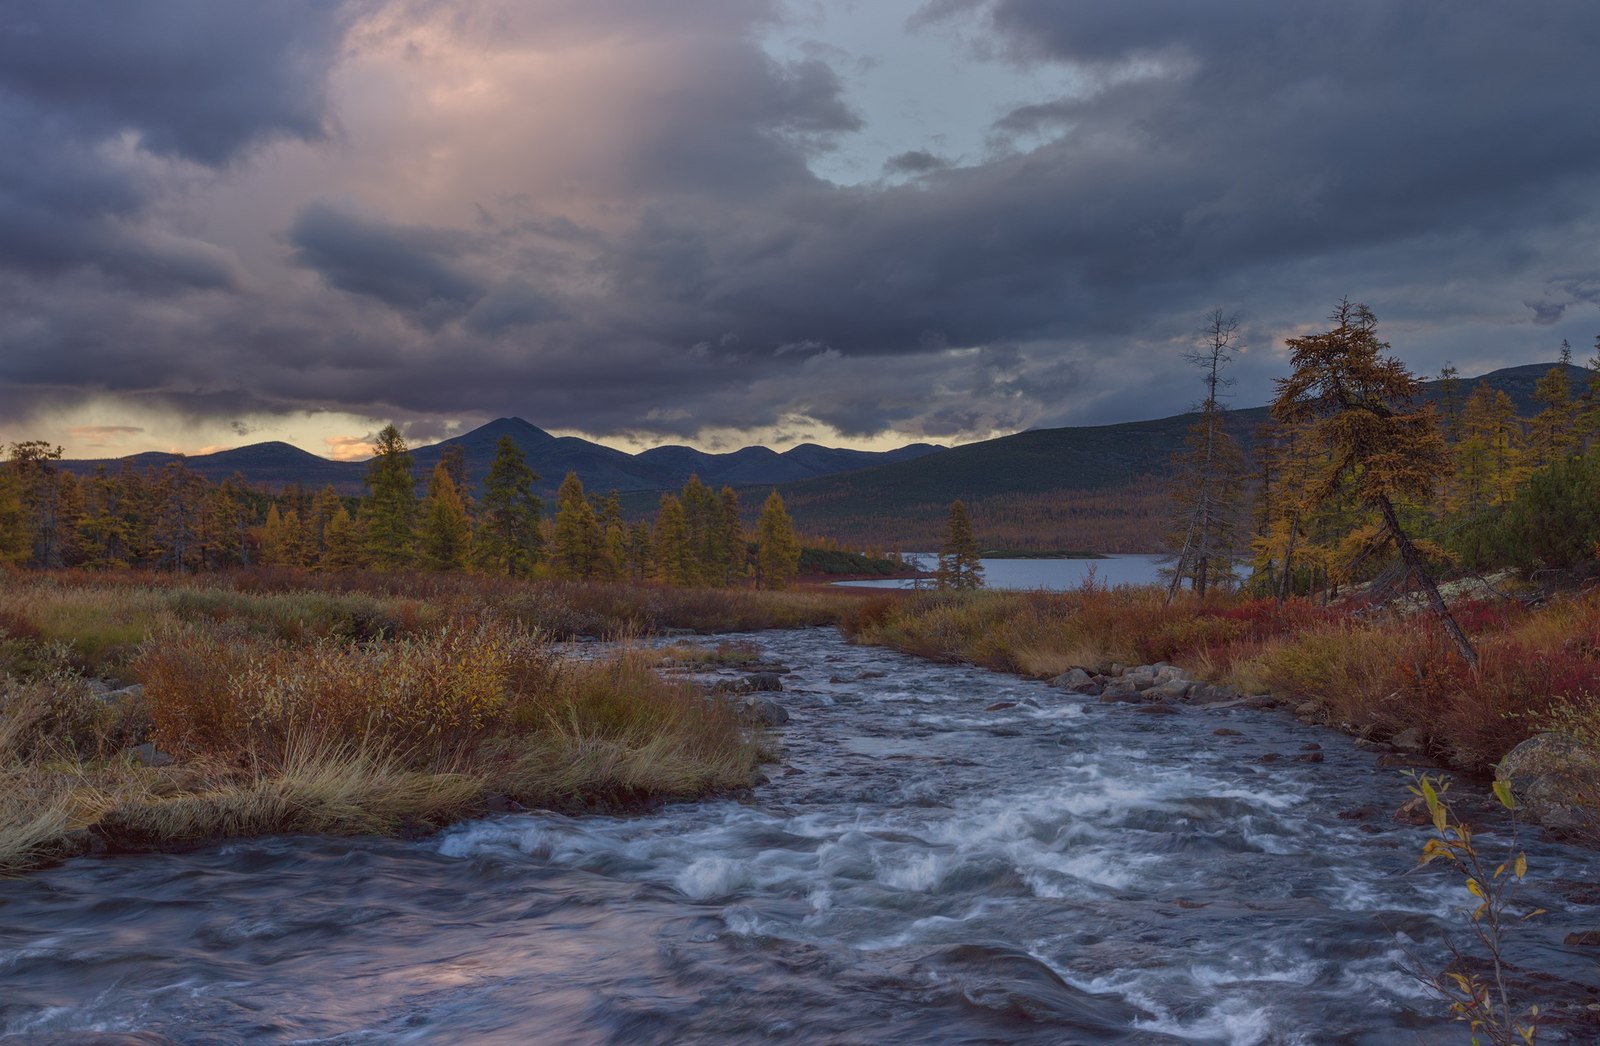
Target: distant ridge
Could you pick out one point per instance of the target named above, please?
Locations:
(275, 464)
(907, 501)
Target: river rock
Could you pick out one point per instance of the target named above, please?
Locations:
(1171, 690)
(1074, 679)
(1408, 740)
(1115, 694)
(1414, 811)
(1001, 706)
(1156, 709)
(1209, 693)
(1583, 939)
(1547, 772)
(763, 711)
(1223, 731)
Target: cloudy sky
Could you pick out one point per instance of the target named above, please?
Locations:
(859, 222)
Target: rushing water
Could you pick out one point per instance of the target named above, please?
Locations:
(1054, 574)
(924, 867)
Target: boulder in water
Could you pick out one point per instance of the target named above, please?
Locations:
(1554, 778)
(1075, 679)
(763, 711)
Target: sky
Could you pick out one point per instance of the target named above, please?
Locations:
(723, 222)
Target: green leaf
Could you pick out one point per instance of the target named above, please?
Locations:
(1502, 792)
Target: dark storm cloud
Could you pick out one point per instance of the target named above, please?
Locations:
(188, 79)
(197, 79)
(659, 256)
(411, 268)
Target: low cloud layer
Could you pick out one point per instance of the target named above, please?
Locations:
(606, 219)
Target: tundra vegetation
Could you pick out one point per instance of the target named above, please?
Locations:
(142, 710)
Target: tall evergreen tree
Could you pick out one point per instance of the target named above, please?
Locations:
(1552, 433)
(344, 545)
(389, 513)
(1361, 404)
(670, 543)
(510, 540)
(777, 546)
(33, 462)
(733, 551)
(444, 538)
(16, 543)
(959, 565)
(577, 547)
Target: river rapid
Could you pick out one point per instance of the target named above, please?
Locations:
(922, 867)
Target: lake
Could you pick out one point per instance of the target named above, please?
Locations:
(1057, 575)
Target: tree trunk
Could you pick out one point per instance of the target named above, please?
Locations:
(1414, 563)
(1288, 559)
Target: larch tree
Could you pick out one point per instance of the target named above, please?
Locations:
(577, 546)
(344, 545)
(1209, 472)
(33, 462)
(959, 565)
(389, 513)
(1361, 404)
(510, 540)
(445, 535)
(16, 543)
(777, 546)
(1552, 433)
(670, 543)
(734, 551)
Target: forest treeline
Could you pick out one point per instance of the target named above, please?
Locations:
(172, 519)
(1493, 489)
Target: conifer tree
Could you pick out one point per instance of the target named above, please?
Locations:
(670, 543)
(777, 546)
(227, 524)
(733, 549)
(445, 535)
(33, 464)
(1488, 455)
(578, 547)
(275, 539)
(1552, 433)
(959, 565)
(389, 513)
(15, 534)
(343, 539)
(639, 552)
(103, 527)
(176, 534)
(510, 540)
(1360, 404)
(1209, 473)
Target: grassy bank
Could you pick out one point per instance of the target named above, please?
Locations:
(1376, 673)
(291, 702)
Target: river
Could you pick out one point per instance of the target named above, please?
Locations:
(923, 867)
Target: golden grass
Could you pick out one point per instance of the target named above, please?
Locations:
(336, 712)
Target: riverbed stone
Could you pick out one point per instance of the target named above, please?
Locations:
(763, 711)
(1223, 731)
(1414, 811)
(1171, 690)
(1001, 706)
(1156, 709)
(1550, 774)
(1075, 679)
(1583, 939)
(1209, 693)
(1410, 739)
(1115, 694)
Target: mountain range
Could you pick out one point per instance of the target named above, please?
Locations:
(274, 464)
(1096, 486)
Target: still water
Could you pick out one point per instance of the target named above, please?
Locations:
(1053, 574)
(942, 855)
